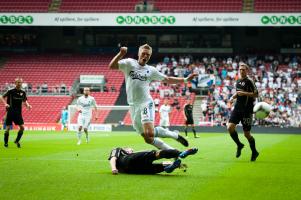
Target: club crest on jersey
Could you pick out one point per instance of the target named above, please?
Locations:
(242, 83)
(135, 75)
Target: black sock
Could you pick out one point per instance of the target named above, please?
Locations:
(252, 144)
(169, 153)
(185, 131)
(235, 138)
(20, 133)
(6, 135)
(193, 130)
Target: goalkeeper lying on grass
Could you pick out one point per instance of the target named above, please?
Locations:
(124, 160)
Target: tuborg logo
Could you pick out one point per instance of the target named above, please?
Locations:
(135, 75)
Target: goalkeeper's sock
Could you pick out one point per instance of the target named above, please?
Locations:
(169, 153)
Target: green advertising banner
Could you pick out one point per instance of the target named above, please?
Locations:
(150, 19)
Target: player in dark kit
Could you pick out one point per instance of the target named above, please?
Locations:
(187, 111)
(246, 92)
(124, 160)
(13, 104)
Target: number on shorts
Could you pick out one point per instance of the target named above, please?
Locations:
(145, 111)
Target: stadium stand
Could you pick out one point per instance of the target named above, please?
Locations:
(99, 6)
(45, 109)
(24, 5)
(56, 70)
(277, 78)
(277, 6)
(199, 5)
(52, 69)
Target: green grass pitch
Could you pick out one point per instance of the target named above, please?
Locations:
(51, 166)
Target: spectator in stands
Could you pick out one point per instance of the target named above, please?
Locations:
(29, 87)
(113, 89)
(63, 88)
(44, 88)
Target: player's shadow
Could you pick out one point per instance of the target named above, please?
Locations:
(175, 174)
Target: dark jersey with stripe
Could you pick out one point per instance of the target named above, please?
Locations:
(15, 98)
(245, 103)
(188, 110)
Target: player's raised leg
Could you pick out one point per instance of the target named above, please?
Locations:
(149, 137)
(165, 133)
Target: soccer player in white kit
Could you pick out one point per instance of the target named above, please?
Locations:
(164, 111)
(138, 76)
(85, 104)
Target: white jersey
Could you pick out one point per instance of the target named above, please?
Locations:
(138, 79)
(86, 104)
(164, 111)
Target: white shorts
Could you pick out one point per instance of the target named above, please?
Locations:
(142, 114)
(164, 122)
(83, 121)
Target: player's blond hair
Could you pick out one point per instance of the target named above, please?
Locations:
(244, 65)
(18, 79)
(145, 46)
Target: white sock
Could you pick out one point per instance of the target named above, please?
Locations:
(79, 135)
(165, 133)
(160, 144)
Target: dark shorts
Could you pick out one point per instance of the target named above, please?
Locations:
(142, 163)
(189, 121)
(244, 117)
(15, 117)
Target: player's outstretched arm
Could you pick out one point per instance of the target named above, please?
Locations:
(184, 114)
(113, 165)
(173, 80)
(114, 62)
(28, 105)
(233, 97)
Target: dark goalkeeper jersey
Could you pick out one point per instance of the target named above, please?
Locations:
(245, 103)
(121, 161)
(15, 98)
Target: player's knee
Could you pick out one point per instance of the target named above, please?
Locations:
(230, 128)
(85, 129)
(21, 128)
(247, 134)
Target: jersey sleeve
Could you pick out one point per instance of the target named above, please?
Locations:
(115, 153)
(94, 102)
(253, 87)
(124, 64)
(7, 93)
(160, 110)
(24, 97)
(157, 76)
